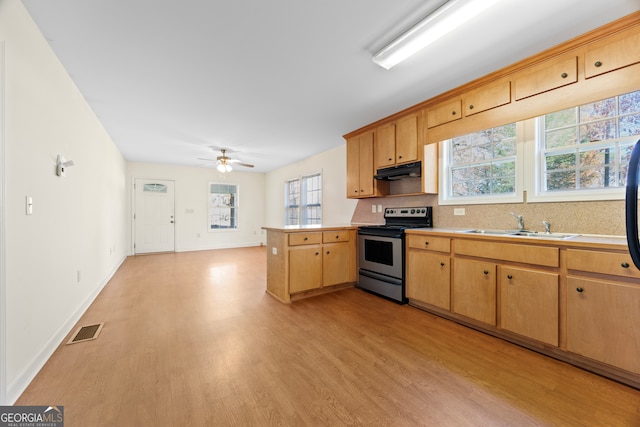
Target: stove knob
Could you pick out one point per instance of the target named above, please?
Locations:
(413, 211)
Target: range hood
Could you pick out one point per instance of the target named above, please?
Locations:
(408, 170)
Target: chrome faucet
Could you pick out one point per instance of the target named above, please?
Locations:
(520, 221)
(547, 227)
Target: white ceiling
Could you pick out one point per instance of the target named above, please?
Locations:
(279, 80)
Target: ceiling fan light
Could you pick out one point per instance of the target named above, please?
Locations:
(224, 167)
(442, 21)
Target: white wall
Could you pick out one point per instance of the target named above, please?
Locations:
(59, 258)
(336, 208)
(191, 192)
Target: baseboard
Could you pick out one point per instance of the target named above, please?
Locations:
(17, 387)
(221, 246)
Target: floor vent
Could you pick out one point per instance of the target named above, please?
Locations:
(86, 333)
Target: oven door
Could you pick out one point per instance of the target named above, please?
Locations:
(380, 254)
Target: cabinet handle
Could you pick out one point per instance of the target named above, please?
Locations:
(471, 107)
(564, 75)
(399, 157)
(598, 64)
(337, 237)
(328, 252)
(625, 265)
(442, 264)
(390, 159)
(579, 290)
(509, 277)
(306, 238)
(426, 243)
(317, 253)
(453, 113)
(486, 272)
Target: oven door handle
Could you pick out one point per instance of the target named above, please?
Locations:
(377, 233)
(381, 277)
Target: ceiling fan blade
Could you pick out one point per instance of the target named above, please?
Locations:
(246, 165)
(206, 160)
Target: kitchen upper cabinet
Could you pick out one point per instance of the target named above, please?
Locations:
(487, 97)
(610, 54)
(602, 321)
(360, 168)
(397, 142)
(428, 269)
(529, 303)
(474, 289)
(546, 76)
(445, 112)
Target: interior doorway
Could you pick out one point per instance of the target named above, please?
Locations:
(154, 216)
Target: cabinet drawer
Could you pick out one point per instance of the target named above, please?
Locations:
(487, 98)
(617, 264)
(440, 244)
(529, 254)
(610, 55)
(296, 239)
(444, 113)
(546, 77)
(335, 236)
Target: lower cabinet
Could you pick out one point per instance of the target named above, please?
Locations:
(307, 263)
(428, 277)
(529, 303)
(305, 268)
(474, 289)
(603, 321)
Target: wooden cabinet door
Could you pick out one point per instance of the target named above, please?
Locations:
(602, 322)
(474, 290)
(529, 303)
(429, 277)
(385, 147)
(407, 139)
(444, 113)
(545, 77)
(335, 263)
(486, 98)
(305, 268)
(618, 52)
(366, 170)
(353, 167)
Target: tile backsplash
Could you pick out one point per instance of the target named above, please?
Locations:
(598, 217)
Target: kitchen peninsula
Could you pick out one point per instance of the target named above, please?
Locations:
(304, 261)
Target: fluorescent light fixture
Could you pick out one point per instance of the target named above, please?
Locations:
(224, 167)
(443, 20)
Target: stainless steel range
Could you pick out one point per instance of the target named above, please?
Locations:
(381, 251)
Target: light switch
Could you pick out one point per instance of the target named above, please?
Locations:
(29, 203)
(379, 208)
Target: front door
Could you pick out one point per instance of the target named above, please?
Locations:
(154, 220)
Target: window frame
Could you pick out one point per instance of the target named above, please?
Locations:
(235, 208)
(301, 208)
(537, 151)
(445, 196)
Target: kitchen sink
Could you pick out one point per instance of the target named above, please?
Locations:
(524, 233)
(494, 232)
(561, 236)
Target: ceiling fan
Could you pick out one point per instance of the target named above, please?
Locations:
(224, 162)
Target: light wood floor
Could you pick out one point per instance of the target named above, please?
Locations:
(191, 339)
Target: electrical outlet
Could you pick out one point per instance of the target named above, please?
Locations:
(459, 211)
(379, 208)
(274, 250)
(373, 208)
